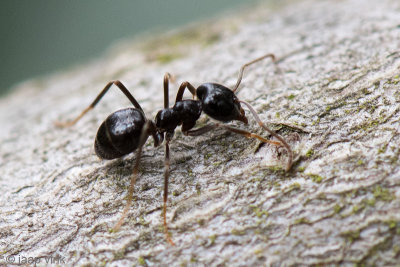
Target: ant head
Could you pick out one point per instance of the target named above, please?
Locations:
(167, 120)
(220, 103)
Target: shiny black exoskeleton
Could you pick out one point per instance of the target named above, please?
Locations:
(127, 130)
(184, 112)
(220, 103)
(119, 134)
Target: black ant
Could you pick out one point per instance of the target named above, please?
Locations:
(127, 130)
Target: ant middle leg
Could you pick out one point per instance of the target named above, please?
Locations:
(168, 138)
(119, 84)
(272, 56)
(182, 88)
(167, 77)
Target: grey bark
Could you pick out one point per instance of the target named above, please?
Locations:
(334, 96)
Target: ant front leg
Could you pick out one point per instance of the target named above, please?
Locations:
(209, 127)
(277, 136)
(119, 84)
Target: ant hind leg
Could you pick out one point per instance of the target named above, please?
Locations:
(142, 140)
(119, 84)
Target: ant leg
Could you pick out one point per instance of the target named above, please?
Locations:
(97, 99)
(166, 177)
(201, 130)
(167, 76)
(272, 56)
(181, 90)
(245, 133)
(262, 125)
(249, 134)
(143, 137)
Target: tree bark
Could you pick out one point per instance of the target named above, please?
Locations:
(333, 95)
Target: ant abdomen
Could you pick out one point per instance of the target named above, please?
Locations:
(220, 103)
(119, 134)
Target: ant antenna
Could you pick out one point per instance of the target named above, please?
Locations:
(272, 56)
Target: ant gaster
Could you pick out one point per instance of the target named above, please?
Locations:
(127, 130)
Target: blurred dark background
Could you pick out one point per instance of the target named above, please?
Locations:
(41, 36)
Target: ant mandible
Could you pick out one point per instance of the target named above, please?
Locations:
(127, 130)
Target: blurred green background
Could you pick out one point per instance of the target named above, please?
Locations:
(41, 36)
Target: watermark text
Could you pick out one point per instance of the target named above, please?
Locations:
(22, 259)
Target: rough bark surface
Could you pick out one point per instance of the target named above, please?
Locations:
(334, 96)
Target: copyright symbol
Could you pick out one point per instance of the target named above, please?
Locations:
(10, 258)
